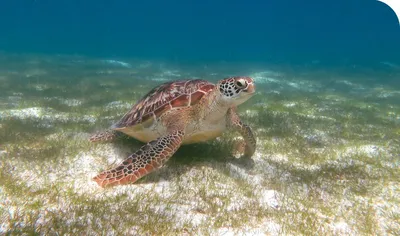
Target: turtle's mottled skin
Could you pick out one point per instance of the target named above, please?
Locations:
(176, 113)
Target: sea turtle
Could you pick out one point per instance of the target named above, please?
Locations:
(175, 113)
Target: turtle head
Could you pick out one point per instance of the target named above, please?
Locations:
(236, 90)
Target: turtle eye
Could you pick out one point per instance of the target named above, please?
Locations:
(241, 83)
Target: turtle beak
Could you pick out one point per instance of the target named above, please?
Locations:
(251, 88)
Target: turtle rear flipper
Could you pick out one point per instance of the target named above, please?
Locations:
(105, 136)
(147, 159)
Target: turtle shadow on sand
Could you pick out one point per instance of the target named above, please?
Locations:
(213, 153)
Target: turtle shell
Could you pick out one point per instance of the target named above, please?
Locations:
(179, 93)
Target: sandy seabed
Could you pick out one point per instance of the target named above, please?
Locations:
(327, 160)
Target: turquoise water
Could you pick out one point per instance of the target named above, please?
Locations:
(181, 31)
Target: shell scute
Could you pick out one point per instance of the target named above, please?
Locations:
(195, 97)
(164, 97)
(207, 88)
(181, 101)
(162, 109)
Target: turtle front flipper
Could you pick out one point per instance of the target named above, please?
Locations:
(147, 159)
(248, 146)
(105, 136)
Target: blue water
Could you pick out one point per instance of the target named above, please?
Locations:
(291, 31)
